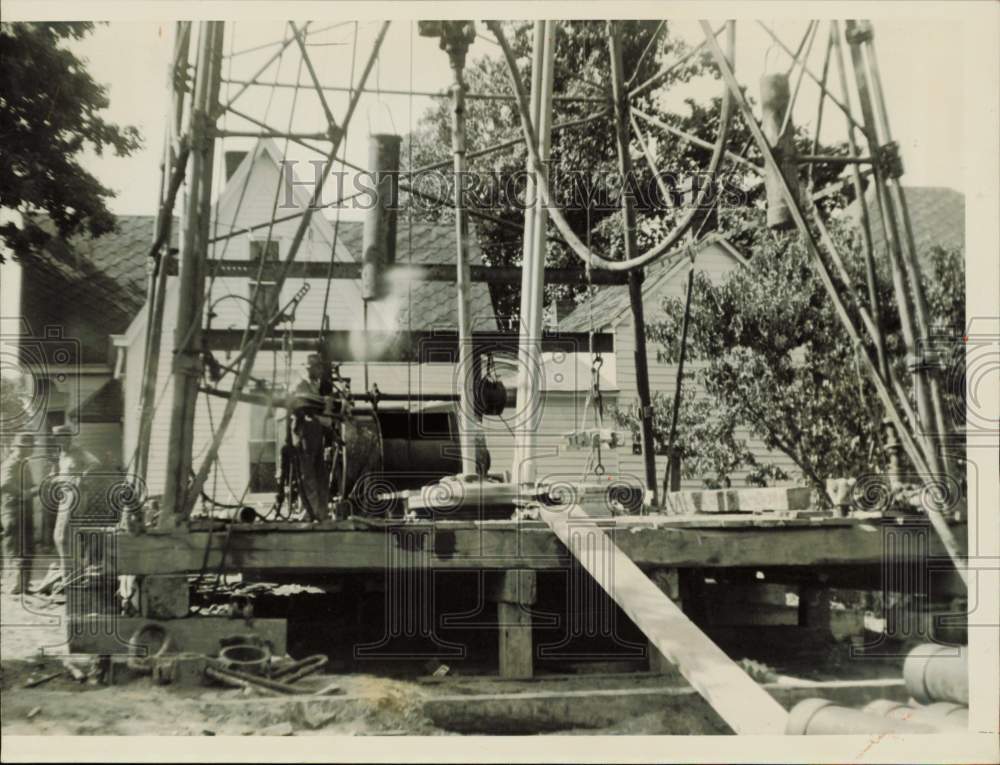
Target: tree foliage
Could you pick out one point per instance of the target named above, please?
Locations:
(775, 362)
(583, 160)
(778, 364)
(50, 110)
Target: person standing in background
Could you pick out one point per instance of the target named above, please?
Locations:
(17, 488)
(74, 464)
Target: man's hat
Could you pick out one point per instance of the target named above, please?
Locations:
(24, 439)
(313, 358)
(63, 430)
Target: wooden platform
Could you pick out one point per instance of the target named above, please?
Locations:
(651, 541)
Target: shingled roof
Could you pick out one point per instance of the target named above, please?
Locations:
(937, 215)
(105, 275)
(609, 303)
(430, 305)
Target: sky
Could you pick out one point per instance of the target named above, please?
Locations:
(920, 61)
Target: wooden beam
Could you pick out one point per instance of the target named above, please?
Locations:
(650, 541)
(516, 646)
(419, 272)
(739, 500)
(420, 346)
(732, 693)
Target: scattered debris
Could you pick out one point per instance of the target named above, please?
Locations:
(328, 690)
(34, 712)
(35, 680)
(78, 674)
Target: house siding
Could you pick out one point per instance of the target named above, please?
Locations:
(227, 298)
(715, 261)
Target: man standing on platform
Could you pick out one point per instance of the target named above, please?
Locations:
(311, 432)
(17, 487)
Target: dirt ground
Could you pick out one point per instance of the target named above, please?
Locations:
(32, 646)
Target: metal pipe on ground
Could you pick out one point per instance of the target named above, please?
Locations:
(819, 717)
(942, 715)
(934, 672)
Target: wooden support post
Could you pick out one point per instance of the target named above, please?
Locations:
(636, 276)
(814, 607)
(890, 228)
(514, 590)
(174, 161)
(926, 372)
(187, 351)
(455, 38)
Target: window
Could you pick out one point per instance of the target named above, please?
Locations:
(257, 250)
(265, 291)
(262, 294)
(263, 452)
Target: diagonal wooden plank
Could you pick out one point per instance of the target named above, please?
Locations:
(743, 704)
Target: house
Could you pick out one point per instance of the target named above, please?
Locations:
(76, 297)
(611, 312)
(244, 469)
(937, 216)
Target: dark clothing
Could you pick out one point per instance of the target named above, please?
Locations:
(309, 440)
(16, 485)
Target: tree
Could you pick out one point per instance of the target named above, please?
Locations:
(779, 363)
(50, 110)
(583, 160)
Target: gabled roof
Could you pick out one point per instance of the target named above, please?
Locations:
(610, 303)
(425, 305)
(937, 215)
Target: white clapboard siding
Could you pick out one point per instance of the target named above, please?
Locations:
(716, 261)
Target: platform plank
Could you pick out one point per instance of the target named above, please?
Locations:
(732, 693)
(766, 499)
(501, 545)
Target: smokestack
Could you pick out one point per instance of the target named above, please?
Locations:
(379, 242)
(774, 98)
